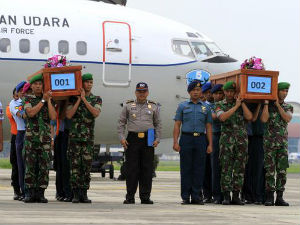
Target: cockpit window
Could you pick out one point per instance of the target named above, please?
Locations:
(213, 47)
(192, 35)
(201, 50)
(183, 48)
(199, 35)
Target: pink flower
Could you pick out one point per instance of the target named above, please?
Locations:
(56, 61)
(253, 63)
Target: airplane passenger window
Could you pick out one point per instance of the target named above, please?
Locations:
(201, 49)
(81, 47)
(24, 45)
(44, 46)
(5, 45)
(63, 47)
(183, 48)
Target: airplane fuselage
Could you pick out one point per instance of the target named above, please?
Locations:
(118, 45)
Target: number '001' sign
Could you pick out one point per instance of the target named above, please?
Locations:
(64, 81)
(259, 84)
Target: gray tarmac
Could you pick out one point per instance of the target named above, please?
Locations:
(107, 207)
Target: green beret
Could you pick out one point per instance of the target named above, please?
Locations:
(283, 85)
(229, 85)
(87, 76)
(36, 78)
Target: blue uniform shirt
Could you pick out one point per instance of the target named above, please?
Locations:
(194, 117)
(16, 106)
(216, 125)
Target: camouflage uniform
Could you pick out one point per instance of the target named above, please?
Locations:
(37, 146)
(233, 148)
(81, 143)
(276, 148)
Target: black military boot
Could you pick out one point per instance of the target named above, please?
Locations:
(269, 198)
(40, 197)
(30, 196)
(83, 197)
(75, 196)
(236, 199)
(17, 193)
(227, 199)
(147, 201)
(279, 199)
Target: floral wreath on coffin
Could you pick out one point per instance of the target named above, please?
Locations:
(56, 61)
(253, 63)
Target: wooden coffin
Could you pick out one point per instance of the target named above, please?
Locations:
(251, 84)
(62, 81)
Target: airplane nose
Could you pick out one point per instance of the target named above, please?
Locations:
(220, 59)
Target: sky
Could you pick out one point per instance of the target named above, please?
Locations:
(266, 29)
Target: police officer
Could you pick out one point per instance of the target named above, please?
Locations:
(207, 184)
(17, 111)
(276, 115)
(39, 109)
(83, 112)
(140, 116)
(218, 95)
(233, 114)
(193, 118)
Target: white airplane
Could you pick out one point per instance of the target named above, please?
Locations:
(120, 46)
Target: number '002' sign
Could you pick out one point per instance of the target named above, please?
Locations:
(64, 81)
(259, 84)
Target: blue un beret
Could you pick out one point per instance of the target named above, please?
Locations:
(20, 86)
(206, 87)
(217, 87)
(193, 84)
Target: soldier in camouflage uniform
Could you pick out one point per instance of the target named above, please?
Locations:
(83, 112)
(233, 143)
(37, 152)
(276, 116)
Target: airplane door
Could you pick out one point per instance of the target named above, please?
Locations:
(117, 53)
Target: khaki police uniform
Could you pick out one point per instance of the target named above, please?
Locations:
(138, 118)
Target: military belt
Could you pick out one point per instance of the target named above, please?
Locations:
(195, 134)
(138, 134)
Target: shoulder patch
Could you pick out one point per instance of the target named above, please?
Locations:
(152, 102)
(129, 101)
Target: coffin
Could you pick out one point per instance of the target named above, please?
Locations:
(62, 81)
(253, 85)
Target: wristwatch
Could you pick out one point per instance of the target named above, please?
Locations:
(43, 101)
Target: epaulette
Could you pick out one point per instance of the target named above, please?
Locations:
(152, 102)
(129, 101)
